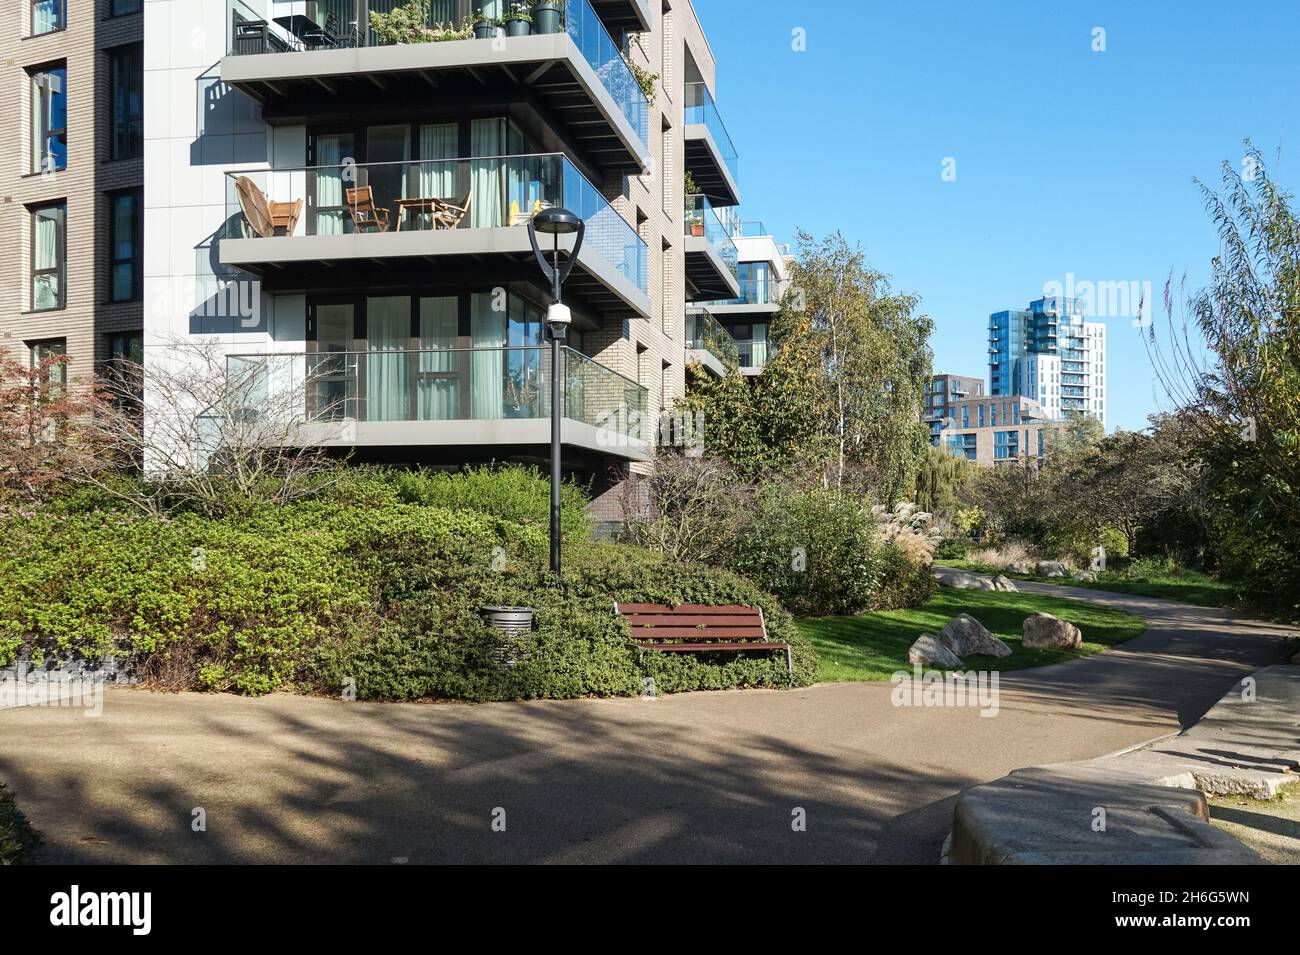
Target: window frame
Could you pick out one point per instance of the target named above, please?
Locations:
(136, 259)
(133, 55)
(114, 12)
(61, 268)
(38, 123)
(62, 19)
(39, 344)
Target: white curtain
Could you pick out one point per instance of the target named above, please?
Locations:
(45, 290)
(330, 214)
(487, 138)
(487, 364)
(437, 179)
(45, 16)
(388, 336)
(758, 350)
(439, 398)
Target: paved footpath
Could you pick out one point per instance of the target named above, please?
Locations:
(702, 777)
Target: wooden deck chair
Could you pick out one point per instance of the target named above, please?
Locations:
(284, 215)
(366, 216)
(449, 216)
(257, 212)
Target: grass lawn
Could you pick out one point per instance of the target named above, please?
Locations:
(17, 838)
(873, 646)
(1184, 586)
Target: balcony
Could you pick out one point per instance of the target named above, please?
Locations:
(350, 225)
(446, 398)
(708, 343)
(711, 157)
(301, 72)
(711, 253)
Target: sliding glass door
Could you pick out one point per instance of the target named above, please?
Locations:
(387, 358)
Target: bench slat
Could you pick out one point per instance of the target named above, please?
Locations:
(712, 633)
(706, 647)
(690, 620)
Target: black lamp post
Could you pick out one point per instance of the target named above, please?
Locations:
(556, 222)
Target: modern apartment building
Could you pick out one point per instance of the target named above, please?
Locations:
(990, 430)
(1048, 352)
(763, 277)
(345, 217)
(72, 212)
(942, 392)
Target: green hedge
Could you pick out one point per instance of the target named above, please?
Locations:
(356, 588)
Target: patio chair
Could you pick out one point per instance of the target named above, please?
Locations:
(328, 35)
(449, 216)
(262, 218)
(366, 216)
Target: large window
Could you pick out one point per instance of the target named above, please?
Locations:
(49, 119)
(126, 68)
(49, 256)
(120, 8)
(124, 246)
(48, 16)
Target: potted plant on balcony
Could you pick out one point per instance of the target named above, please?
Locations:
(519, 22)
(486, 27)
(547, 16)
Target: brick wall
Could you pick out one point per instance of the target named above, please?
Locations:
(87, 317)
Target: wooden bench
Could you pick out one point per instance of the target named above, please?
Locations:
(696, 628)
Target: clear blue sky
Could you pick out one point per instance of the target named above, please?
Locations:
(1067, 160)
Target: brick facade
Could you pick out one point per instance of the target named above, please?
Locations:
(87, 318)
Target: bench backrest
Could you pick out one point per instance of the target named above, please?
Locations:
(655, 623)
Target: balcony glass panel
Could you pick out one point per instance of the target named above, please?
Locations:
(439, 384)
(702, 219)
(701, 109)
(267, 26)
(704, 333)
(485, 193)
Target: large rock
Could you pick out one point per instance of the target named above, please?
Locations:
(1005, 584)
(1087, 576)
(1051, 568)
(1047, 632)
(1019, 567)
(961, 580)
(966, 636)
(929, 650)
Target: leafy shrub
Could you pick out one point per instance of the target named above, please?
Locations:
(434, 643)
(513, 493)
(903, 581)
(812, 548)
(387, 596)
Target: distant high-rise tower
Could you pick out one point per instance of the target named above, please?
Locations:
(1049, 353)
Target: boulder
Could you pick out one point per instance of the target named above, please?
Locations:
(1087, 576)
(962, 580)
(1005, 584)
(966, 636)
(1051, 568)
(1045, 631)
(1019, 567)
(928, 650)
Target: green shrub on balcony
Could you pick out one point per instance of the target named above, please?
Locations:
(409, 23)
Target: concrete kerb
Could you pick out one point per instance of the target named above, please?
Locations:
(1145, 804)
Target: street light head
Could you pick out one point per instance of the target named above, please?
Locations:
(556, 222)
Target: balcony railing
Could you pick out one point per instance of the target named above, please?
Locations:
(440, 384)
(699, 108)
(702, 219)
(491, 192)
(256, 26)
(705, 333)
